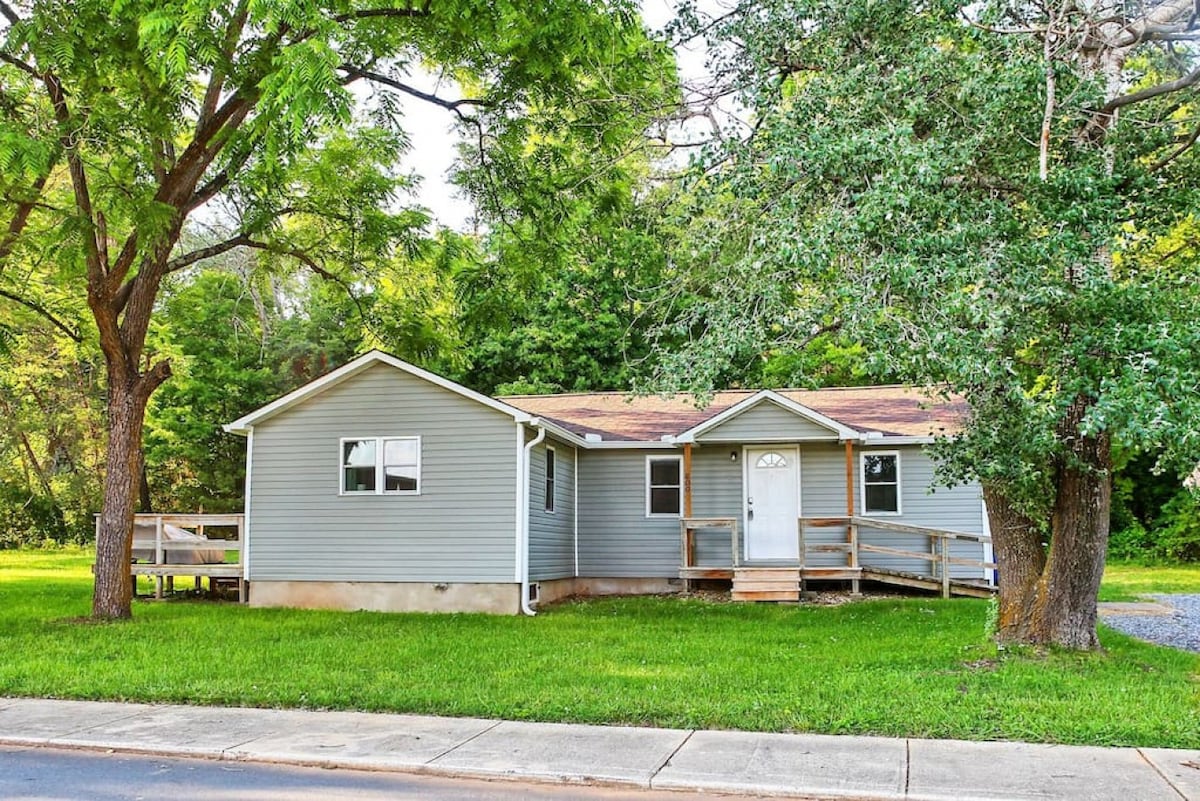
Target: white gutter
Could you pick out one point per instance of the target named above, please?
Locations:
(523, 513)
(575, 504)
(245, 544)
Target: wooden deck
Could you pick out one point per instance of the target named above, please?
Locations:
(785, 582)
(164, 572)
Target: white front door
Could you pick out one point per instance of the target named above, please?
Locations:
(772, 503)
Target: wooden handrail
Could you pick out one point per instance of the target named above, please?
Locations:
(938, 557)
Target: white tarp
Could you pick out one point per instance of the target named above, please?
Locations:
(143, 535)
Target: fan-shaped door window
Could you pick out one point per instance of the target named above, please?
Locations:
(771, 459)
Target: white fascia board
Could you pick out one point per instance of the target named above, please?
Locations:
(631, 444)
(557, 431)
(899, 440)
(799, 409)
(242, 424)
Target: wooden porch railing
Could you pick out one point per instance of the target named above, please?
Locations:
(161, 569)
(938, 556)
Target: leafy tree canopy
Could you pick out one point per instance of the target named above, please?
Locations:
(124, 124)
(997, 199)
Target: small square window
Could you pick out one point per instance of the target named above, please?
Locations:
(881, 483)
(664, 486)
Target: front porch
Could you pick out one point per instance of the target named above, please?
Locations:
(776, 580)
(850, 547)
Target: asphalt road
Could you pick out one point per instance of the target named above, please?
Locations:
(45, 774)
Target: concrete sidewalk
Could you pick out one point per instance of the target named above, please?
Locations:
(808, 766)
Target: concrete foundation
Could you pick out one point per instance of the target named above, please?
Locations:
(378, 596)
(557, 589)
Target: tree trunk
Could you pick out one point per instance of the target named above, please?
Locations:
(113, 595)
(145, 500)
(1080, 540)
(1021, 560)
(1051, 599)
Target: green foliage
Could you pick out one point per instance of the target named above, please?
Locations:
(252, 114)
(892, 189)
(535, 324)
(30, 520)
(1178, 534)
(1131, 542)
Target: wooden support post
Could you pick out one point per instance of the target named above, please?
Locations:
(158, 556)
(852, 556)
(849, 478)
(945, 567)
(684, 560)
(851, 526)
(687, 479)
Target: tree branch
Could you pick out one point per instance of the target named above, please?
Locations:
(310, 263)
(178, 263)
(369, 13)
(449, 105)
(1164, 88)
(1177, 152)
(19, 64)
(43, 312)
(9, 13)
(21, 217)
(216, 81)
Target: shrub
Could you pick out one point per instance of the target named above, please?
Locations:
(1178, 533)
(33, 521)
(1133, 542)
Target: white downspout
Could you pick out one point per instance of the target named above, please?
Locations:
(575, 503)
(523, 534)
(245, 544)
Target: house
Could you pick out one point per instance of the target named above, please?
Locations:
(384, 486)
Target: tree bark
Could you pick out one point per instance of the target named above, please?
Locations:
(1021, 560)
(145, 500)
(1079, 524)
(1049, 598)
(112, 598)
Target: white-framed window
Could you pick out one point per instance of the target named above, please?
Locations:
(380, 465)
(551, 466)
(880, 482)
(664, 486)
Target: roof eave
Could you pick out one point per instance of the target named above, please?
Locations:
(355, 366)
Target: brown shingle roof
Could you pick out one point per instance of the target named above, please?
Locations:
(892, 410)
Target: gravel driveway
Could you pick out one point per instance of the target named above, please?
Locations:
(1180, 628)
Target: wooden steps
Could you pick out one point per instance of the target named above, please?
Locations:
(766, 584)
(783, 584)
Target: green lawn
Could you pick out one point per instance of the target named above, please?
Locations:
(894, 667)
(1128, 582)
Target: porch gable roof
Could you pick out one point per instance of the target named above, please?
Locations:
(842, 432)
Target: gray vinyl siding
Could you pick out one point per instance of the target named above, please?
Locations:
(716, 492)
(766, 422)
(616, 539)
(461, 528)
(552, 535)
